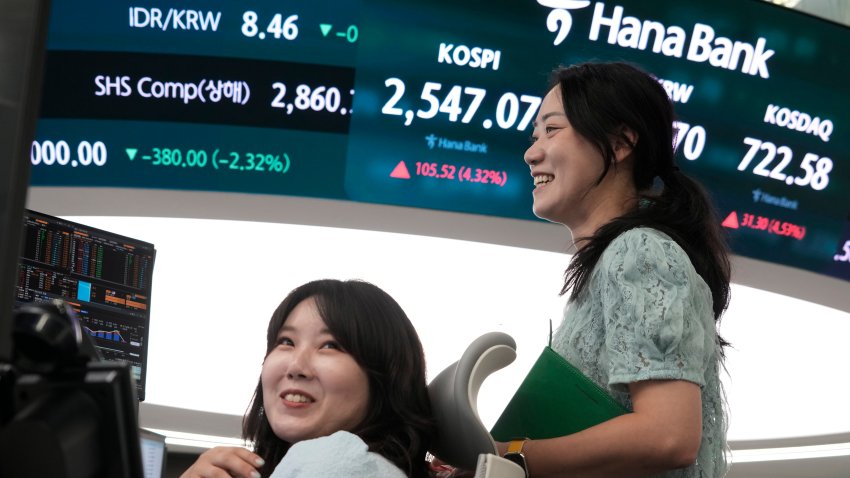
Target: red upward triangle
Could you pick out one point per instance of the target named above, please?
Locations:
(731, 221)
(400, 171)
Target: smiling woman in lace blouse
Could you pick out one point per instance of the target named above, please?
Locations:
(648, 281)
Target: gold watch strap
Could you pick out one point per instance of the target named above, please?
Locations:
(515, 446)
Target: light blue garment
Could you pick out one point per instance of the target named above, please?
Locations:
(342, 454)
(646, 314)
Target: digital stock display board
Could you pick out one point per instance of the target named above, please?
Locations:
(429, 103)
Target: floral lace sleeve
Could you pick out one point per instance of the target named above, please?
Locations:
(657, 311)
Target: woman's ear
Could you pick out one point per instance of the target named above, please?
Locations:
(624, 143)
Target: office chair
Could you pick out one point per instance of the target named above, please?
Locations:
(462, 440)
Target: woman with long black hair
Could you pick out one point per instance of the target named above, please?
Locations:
(648, 281)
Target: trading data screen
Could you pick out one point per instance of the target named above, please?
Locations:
(106, 278)
(429, 103)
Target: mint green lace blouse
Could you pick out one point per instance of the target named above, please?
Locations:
(646, 314)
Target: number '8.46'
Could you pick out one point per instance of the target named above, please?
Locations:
(278, 27)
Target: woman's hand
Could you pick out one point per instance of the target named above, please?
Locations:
(225, 462)
(441, 469)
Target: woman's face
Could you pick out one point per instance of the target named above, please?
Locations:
(565, 166)
(311, 387)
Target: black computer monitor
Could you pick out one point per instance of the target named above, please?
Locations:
(104, 277)
(23, 30)
(75, 419)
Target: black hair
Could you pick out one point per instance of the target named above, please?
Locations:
(372, 327)
(602, 101)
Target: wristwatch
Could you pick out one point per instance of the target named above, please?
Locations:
(516, 455)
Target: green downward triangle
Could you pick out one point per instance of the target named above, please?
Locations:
(131, 152)
(326, 27)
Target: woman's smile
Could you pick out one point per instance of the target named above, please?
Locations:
(312, 387)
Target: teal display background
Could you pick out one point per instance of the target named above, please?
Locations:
(808, 73)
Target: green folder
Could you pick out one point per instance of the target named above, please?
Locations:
(554, 399)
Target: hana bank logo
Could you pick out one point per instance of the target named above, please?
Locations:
(559, 19)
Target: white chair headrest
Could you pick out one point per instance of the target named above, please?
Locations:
(461, 436)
